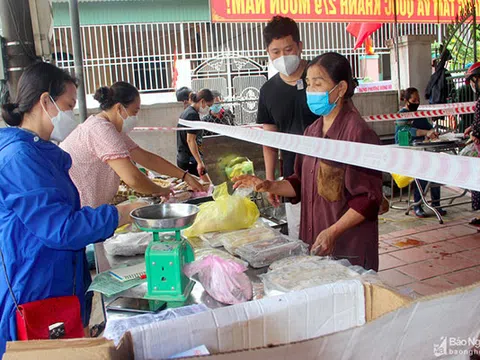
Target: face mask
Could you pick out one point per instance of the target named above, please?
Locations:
(204, 110)
(129, 123)
(413, 106)
(216, 108)
(319, 103)
(63, 123)
(287, 64)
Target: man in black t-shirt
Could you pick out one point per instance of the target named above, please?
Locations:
(282, 103)
(185, 158)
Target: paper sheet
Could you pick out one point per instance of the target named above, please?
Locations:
(107, 285)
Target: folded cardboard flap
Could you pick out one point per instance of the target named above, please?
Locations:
(380, 300)
(73, 349)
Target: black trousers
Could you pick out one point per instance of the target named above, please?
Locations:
(190, 166)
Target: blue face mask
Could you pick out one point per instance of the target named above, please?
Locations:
(216, 108)
(319, 103)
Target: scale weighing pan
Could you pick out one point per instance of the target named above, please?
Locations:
(163, 217)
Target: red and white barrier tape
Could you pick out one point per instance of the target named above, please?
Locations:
(424, 112)
(435, 112)
(442, 168)
(170, 129)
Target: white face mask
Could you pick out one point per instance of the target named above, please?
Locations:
(129, 123)
(63, 123)
(204, 110)
(287, 64)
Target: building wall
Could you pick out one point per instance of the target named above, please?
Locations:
(130, 12)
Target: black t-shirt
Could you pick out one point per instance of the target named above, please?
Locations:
(286, 107)
(183, 151)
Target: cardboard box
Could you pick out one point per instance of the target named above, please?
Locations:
(380, 300)
(267, 322)
(445, 326)
(75, 349)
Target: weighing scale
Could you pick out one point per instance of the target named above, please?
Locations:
(168, 252)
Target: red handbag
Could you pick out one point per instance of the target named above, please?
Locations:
(54, 318)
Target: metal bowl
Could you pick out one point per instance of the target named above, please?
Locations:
(165, 216)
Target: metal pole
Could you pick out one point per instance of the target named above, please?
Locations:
(17, 31)
(474, 11)
(397, 55)
(78, 58)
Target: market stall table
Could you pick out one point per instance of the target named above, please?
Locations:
(440, 146)
(105, 262)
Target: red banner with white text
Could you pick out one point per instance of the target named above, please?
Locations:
(380, 11)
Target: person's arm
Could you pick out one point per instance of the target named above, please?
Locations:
(41, 202)
(193, 146)
(160, 165)
(281, 188)
(134, 178)
(325, 242)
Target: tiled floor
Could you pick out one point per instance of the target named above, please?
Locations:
(424, 258)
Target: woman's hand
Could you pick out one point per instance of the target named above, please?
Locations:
(164, 192)
(125, 210)
(475, 139)
(251, 181)
(431, 134)
(193, 183)
(325, 243)
(467, 131)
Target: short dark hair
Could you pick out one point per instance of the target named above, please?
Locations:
(183, 94)
(204, 94)
(280, 27)
(120, 92)
(338, 68)
(406, 94)
(37, 79)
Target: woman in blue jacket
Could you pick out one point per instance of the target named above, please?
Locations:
(43, 230)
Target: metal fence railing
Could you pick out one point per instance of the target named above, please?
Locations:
(144, 54)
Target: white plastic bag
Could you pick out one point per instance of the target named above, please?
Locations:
(224, 280)
(128, 244)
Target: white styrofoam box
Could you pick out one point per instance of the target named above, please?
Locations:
(270, 321)
(443, 327)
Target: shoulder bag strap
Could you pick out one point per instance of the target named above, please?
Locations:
(8, 282)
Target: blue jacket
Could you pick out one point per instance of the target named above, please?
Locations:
(43, 230)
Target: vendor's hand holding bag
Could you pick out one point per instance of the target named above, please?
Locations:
(54, 318)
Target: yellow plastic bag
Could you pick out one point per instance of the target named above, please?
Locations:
(225, 213)
(402, 180)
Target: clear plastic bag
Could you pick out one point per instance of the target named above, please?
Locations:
(214, 239)
(233, 240)
(128, 244)
(224, 280)
(295, 274)
(225, 213)
(262, 253)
